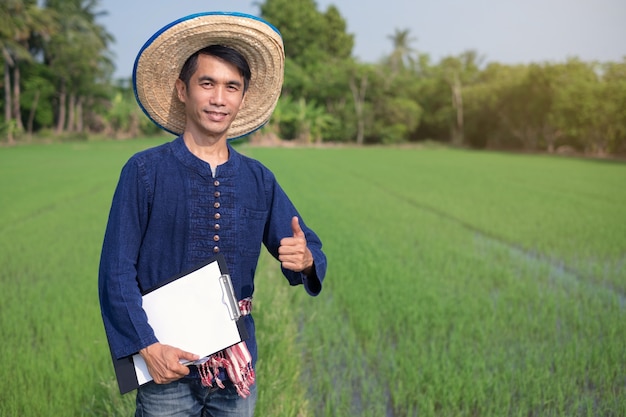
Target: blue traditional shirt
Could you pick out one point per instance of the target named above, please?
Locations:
(170, 213)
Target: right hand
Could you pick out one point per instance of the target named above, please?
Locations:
(163, 362)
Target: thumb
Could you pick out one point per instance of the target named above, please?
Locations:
(295, 227)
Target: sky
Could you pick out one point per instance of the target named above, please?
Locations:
(505, 31)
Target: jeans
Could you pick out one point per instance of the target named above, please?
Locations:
(187, 397)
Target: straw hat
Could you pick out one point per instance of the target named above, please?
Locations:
(160, 60)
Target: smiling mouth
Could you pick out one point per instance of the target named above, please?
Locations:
(216, 116)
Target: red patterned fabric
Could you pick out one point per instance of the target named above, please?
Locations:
(235, 360)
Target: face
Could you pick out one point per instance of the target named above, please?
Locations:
(213, 98)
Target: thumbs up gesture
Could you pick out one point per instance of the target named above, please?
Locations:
(293, 252)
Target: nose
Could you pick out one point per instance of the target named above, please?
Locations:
(217, 98)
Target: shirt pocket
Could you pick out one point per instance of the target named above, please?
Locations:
(251, 228)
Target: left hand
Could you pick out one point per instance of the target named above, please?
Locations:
(293, 252)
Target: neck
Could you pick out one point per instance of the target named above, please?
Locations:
(214, 151)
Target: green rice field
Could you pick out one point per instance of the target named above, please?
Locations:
(460, 283)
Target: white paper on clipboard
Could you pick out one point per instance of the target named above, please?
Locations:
(196, 312)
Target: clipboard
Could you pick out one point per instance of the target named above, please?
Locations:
(196, 311)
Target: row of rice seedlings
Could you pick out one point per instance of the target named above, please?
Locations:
(45, 308)
(54, 213)
(455, 351)
(519, 339)
(55, 203)
(544, 205)
(476, 331)
(279, 368)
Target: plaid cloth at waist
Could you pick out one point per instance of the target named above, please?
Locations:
(236, 360)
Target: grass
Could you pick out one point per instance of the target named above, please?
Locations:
(460, 284)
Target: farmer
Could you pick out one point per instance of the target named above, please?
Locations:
(206, 78)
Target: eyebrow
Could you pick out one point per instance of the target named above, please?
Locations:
(212, 80)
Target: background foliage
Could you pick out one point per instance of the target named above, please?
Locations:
(57, 83)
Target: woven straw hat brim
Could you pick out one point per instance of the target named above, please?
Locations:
(160, 61)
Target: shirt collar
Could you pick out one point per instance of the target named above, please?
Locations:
(184, 155)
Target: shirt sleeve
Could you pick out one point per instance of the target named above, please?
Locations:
(282, 211)
(125, 321)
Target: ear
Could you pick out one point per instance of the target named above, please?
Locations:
(181, 90)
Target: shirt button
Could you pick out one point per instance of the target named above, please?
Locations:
(216, 238)
(216, 194)
(216, 249)
(217, 226)
(217, 216)
(216, 205)
(216, 183)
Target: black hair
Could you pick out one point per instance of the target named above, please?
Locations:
(222, 52)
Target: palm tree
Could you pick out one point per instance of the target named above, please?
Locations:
(402, 49)
(458, 71)
(6, 46)
(21, 22)
(78, 55)
(11, 49)
(358, 87)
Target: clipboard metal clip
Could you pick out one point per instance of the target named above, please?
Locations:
(229, 297)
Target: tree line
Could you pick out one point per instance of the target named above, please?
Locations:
(58, 83)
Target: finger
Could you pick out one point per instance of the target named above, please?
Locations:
(295, 227)
(288, 243)
(187, 356)
(177, 371)
(176, 366)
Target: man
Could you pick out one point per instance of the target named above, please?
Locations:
(207, 78)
